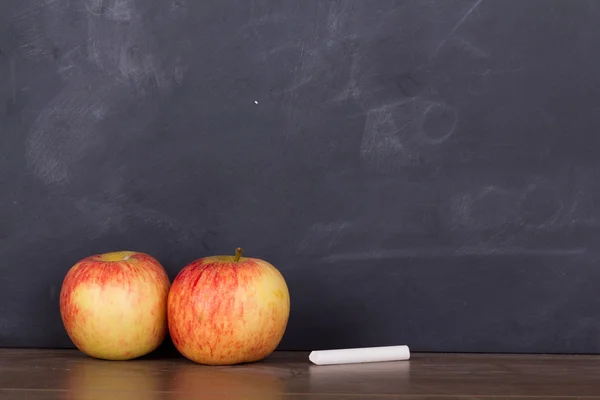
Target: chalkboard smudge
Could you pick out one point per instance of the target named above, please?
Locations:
(439, 123)
(105, 215)
(472, 49)
(338, 12)
(460, 22)
(64, 131)
(452, 252)
(118, 43)
(32, 41)
(408, 85)
(264, 19)
(276, 93)
(540, 206)
(490, 207)
(112, 213)
(13, 80)
(116, 10)
(478, 83)
(380, 139)
(385, 146)
(352, 89)
(322, 236)
(179, 5)
(179, 71)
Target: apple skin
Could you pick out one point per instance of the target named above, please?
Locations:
(113, 305)
(223, 312)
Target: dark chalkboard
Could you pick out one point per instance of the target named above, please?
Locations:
(422, 172)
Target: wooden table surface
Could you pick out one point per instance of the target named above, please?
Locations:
(68, 374)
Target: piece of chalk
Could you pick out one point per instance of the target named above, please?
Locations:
(360, 355)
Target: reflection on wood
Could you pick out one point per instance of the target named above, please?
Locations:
(68, 374)
(360, 378)
(227, 383)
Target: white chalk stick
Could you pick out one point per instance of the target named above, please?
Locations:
(360, 355)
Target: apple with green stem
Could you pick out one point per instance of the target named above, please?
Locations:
(225, 310)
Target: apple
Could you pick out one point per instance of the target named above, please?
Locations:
(225, 310)
(114, 305)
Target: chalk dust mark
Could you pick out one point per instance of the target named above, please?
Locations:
(491, 207)
(121, 10)
(91, 44)
(69, 62)
(472, 49)
(352, 89)
(184, 230)
(461, 209)
(302, 74)
(311, 54)
(519, 251)
(43, 31)
(336, 17)
(391, 139)
(571, 217)
(276, 93)
(263, 20)
(388, 106)
(282, 47)
(33, 41)
(138, 68)
(460, 22)
(258, 19)
(408, 85)
(113, 212)
(102, 213)
(333, 19)
(179, 72)
(438, 123)
(381, 147)
(321, 236)
(260, 43)
(117, 44)
(479, 83)
(445, 252)
(13, 81)
(540, 205)
(121, 55)
(116, 10)
(179, 6)
(64, 131)
(100, 112)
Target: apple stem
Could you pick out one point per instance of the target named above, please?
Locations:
(238, 254)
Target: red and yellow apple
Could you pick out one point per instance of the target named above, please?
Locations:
(113, 305)
(225, 310)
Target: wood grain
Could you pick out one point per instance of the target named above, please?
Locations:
(68, 374)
